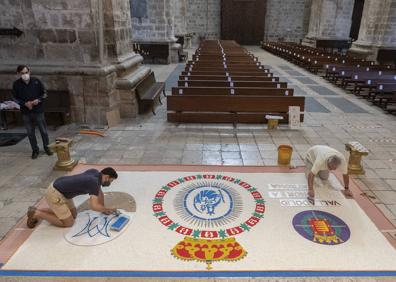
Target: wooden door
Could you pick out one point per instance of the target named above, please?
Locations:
(243, 20)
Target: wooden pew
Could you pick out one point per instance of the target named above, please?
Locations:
(221, 61)
(257, 91)
(228, 78)
(370, 85)
(225, 83)
(228, 68)
(230, 73)
(232, 108)
(361, 76)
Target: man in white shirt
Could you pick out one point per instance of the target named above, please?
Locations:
(319, 161)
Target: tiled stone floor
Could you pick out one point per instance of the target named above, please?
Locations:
(269, 279)
(151, 139)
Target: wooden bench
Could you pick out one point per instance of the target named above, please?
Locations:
(225, 83)
(222, 62)
(230, 78)
(230, 73)
(257, 91)
(146, 92)
(227, 67)
(56, 102)
(231, 108)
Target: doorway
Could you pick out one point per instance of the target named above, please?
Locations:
(243, 21)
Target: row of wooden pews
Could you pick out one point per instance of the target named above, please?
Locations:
(224, 83)
(376, 83)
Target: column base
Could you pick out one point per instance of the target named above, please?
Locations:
(363, 51)
(329, 44)
(380, 54)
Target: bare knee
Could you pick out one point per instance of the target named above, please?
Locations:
(68, 222)
(74, 213)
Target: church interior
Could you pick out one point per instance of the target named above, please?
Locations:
(220, 118)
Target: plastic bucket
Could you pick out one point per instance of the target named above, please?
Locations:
(272, 123)
(284, 154)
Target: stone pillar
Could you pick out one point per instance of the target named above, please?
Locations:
(180, 17)
(377, 29)
(156, 24)
(170, 11)
(82, 46)
(329, 20)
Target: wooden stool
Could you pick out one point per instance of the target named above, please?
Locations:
(61, 147)
(356, 151)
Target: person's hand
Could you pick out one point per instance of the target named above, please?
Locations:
(311, 196)
(35, 102)
(109, 211)
(29, 105)
(347, 193)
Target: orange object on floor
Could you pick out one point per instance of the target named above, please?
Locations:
(92, 132)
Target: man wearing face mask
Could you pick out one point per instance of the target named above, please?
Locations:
(60, 194)
(29, 93)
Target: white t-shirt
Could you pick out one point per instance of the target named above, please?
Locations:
(318, 156)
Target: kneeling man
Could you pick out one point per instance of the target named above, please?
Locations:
(60, 194)
(319, 161)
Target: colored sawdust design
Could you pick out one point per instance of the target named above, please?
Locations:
(321, 227)
(207, 251)
(206, 204)
(93, 228)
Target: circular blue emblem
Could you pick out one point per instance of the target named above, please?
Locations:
(208, 203)
(321, 227)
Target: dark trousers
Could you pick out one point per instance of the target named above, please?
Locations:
(3, 120)
(31, 120)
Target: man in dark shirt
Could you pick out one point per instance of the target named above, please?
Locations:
(29, 93)
(59, 195)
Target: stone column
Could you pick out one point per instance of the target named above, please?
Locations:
(81, 46)
(170, 11)
(329, 20)
(180, 17)
(377, 29)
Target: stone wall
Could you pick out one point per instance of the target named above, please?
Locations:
(204, 18)
(287, 20)
(62, 45)
(154, 26)
(48, 27)
(166, 18)
(158, 25)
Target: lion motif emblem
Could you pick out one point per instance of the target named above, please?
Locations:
(207, 201)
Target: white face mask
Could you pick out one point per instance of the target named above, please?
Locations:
(25, 76)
